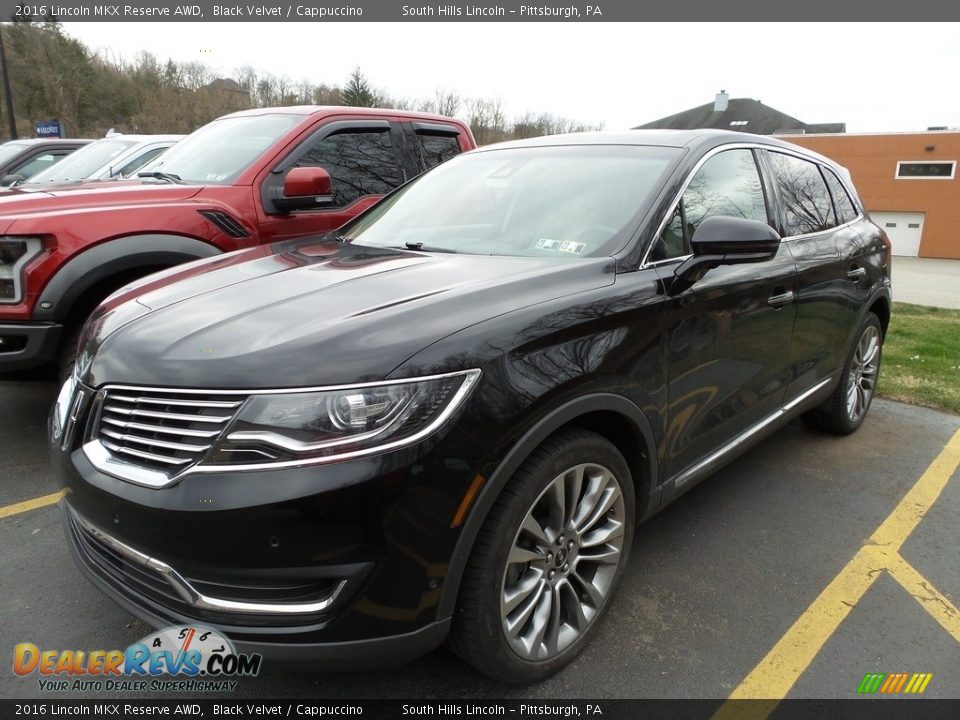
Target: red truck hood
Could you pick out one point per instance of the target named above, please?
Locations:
(90, 196)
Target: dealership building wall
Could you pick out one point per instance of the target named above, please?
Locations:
(919, 211)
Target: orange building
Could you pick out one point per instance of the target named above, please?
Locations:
(908, 183)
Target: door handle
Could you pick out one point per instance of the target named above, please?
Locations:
(856, 273)
(782, 299)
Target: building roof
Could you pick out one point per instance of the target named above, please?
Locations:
(742, 114)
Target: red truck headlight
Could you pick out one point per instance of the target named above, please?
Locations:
(15, 253)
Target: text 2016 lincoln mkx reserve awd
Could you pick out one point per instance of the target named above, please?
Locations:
(443, 421)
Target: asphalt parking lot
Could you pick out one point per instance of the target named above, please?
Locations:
(778, 577)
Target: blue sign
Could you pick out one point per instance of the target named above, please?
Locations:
(48, 129)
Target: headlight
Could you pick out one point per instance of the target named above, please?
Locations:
(341, 422)
(15, 253)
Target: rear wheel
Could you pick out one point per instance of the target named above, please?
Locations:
(846, 409)
(547, 560)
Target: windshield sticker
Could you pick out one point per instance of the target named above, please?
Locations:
(565, 246)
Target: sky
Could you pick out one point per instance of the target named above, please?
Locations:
(874, 77)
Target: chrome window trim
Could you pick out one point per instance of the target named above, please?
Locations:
(746, 146)
(193, 597)
(104, 461)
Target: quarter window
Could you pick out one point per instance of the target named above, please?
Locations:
(435, 149)
(846, 211)
(727, 184)
(359, 162)
(807, 206)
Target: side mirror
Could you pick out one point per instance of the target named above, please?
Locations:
(12, 180)
(304, 188)
(722, 240)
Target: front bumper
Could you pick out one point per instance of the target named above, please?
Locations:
(362, 547)
(28, 345)
(95, 563)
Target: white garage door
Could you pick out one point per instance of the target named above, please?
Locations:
(904, 230)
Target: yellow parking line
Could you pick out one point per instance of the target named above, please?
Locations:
(910, 511)
(780, 669)
(27, 505)
(931, 599)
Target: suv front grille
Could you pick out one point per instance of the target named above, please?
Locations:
(162, 430)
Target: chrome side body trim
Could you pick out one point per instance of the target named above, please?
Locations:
(713, 459)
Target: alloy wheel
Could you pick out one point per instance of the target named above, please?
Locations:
(863, 373)
(562, 562)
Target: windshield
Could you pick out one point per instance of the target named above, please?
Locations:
(84, 162)
(10, 150)
(564, 201)
(219, 151)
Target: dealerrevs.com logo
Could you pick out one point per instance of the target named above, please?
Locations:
(197, 658)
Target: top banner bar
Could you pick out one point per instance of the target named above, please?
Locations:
(476, 11)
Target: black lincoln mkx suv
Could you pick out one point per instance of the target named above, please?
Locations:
(444, 421)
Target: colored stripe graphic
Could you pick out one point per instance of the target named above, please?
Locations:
(894, 683)
(871, 682)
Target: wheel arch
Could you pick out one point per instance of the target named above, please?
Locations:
(881, 308)
(614, 417)
(93, 268)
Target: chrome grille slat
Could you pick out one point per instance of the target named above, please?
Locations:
(114, 447)
(167, 416)
(186, 403)
(159, 430)
(162, 429)
(154, 442)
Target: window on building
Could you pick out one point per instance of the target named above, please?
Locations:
(937, 170)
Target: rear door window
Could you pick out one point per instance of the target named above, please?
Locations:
(807, 206)
(435, 149)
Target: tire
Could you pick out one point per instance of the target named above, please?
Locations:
(847, 407)
(557, 592)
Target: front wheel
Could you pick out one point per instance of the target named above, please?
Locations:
(547, 561)
(844, 412)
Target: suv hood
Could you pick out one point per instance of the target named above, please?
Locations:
(92, 195)
(314, 313)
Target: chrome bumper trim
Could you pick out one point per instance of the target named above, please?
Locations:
(190, 594)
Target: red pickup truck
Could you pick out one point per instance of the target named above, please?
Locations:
(244, 179)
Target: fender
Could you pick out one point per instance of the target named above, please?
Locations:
(881, 291)
(89, 267)
(545, 427)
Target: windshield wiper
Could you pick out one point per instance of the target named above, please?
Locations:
(427, 248)
(166, 177)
